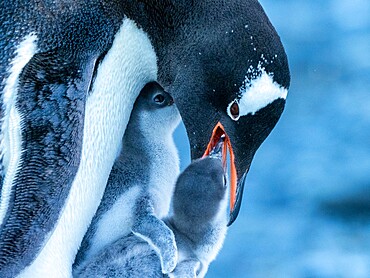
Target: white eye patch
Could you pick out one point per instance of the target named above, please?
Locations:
(257, 93)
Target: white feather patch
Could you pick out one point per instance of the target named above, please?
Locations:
(257, 92)
(115, 223)
(127, 67)
(10, 140)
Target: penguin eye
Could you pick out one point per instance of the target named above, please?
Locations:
(159, 99)
(234, 110)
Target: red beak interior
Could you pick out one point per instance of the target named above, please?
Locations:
(218, 131)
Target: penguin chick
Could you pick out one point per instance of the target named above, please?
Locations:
(128, 257)
(141, 183)
(199, 219)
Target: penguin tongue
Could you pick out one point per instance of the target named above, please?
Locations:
(219, 139)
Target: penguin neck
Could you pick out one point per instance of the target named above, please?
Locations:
(199, 229)
(158, 13)
(145, 142)
(160, 19)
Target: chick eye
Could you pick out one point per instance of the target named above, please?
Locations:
(234, 110)
(159, 99)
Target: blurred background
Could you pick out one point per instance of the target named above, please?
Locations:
(306, 209)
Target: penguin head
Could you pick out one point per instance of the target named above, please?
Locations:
(155, 109)
(230, 77)
(225, 66)
(236, 112)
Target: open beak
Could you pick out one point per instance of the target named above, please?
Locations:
(218, 151)
(236, 188)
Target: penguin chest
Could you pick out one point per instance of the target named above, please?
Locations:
(129, 64)
(115, 222)
(164, 171)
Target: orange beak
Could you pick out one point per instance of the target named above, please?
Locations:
(219, 131)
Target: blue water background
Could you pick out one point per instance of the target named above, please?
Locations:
(306, 209)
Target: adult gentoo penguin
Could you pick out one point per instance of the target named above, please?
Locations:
(139, 189)
(70, 72)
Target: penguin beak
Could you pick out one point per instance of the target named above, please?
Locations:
(220, 139)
